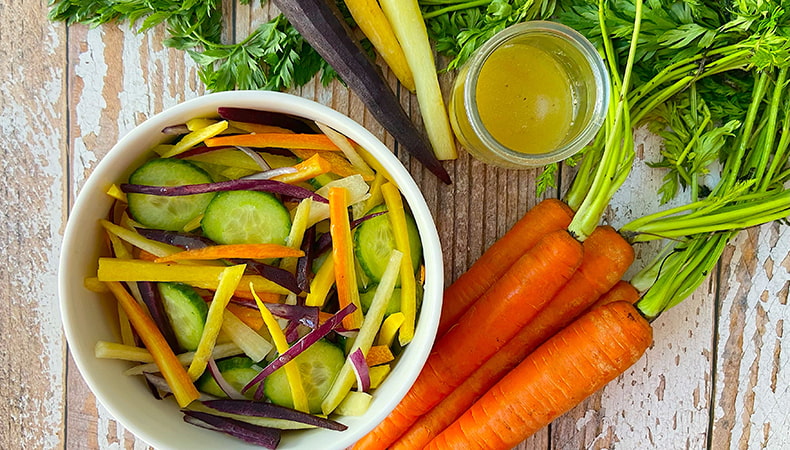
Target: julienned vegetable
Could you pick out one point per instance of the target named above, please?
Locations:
(323, 27)
(271, 248)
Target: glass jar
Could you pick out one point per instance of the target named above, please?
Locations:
(535, 93)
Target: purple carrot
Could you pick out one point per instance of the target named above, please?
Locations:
(264, 118)
(272, 186)
(272, 411)
(254, 434)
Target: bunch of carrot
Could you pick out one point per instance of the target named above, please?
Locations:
(512, 355)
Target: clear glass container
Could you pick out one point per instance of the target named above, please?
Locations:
(535, 93)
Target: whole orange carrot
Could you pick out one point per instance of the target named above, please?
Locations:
(606, 258)
(622, 291)
(488, 324)
(547, 216)
(569, 367)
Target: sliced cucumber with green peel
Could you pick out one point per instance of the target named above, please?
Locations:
(187, 312)
(246, 217)
(237, 371)
(374, 241)
(162, 212)
(318, 365)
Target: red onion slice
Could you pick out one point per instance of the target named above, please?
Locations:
(361, 369)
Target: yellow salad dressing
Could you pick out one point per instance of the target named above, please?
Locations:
(524, 98)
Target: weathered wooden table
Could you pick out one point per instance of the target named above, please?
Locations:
(716, 377)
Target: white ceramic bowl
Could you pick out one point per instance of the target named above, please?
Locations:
(89, 317)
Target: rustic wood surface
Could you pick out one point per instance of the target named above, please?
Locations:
(716, 377)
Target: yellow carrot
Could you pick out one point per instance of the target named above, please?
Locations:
(172, 370)
(407, 22)
(390, 326)
(228, 281)
(281, 140)
(114, 350)
(206, 277)
(243, 251)
(257, 127)
(375, 26)
(192, 139)
(281, 344)
(408, 293)
(314, 166)
(136, 239)
(343, 256)
(296, 235)
(322, 282)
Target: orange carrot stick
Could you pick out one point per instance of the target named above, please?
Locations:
(547, 216)
(175, 374)
(251, 317)
(242, 251)
(569, 367)
(622, 291)
(279, 140)
(343, 256)
(500, 313)
(606, 258)
(307, 169)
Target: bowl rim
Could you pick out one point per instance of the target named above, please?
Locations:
(93, 188)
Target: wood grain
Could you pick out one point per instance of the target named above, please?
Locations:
(716, 377)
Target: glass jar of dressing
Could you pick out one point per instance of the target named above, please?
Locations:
(535, 93)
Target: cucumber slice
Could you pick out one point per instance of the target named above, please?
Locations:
(246, 217)
(168, 213)
(238, 371)
(373, 242)
(319, 365)
(187, 312)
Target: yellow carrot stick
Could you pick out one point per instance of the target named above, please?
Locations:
(322, 282)
(228, 281)
(310, 168)
(375, 26)
(206, 277)
(115, 350)
(343, 256)
(172, 370)
(220, 351)
(296, 235)
(408, 297)
(243, 251)
(389, 328)
(281, 140)
(192, 139)
(281, 344)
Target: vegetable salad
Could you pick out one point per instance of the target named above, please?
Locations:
(267, 271)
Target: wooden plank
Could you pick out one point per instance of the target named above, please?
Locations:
(32, 186)
(752, 375)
